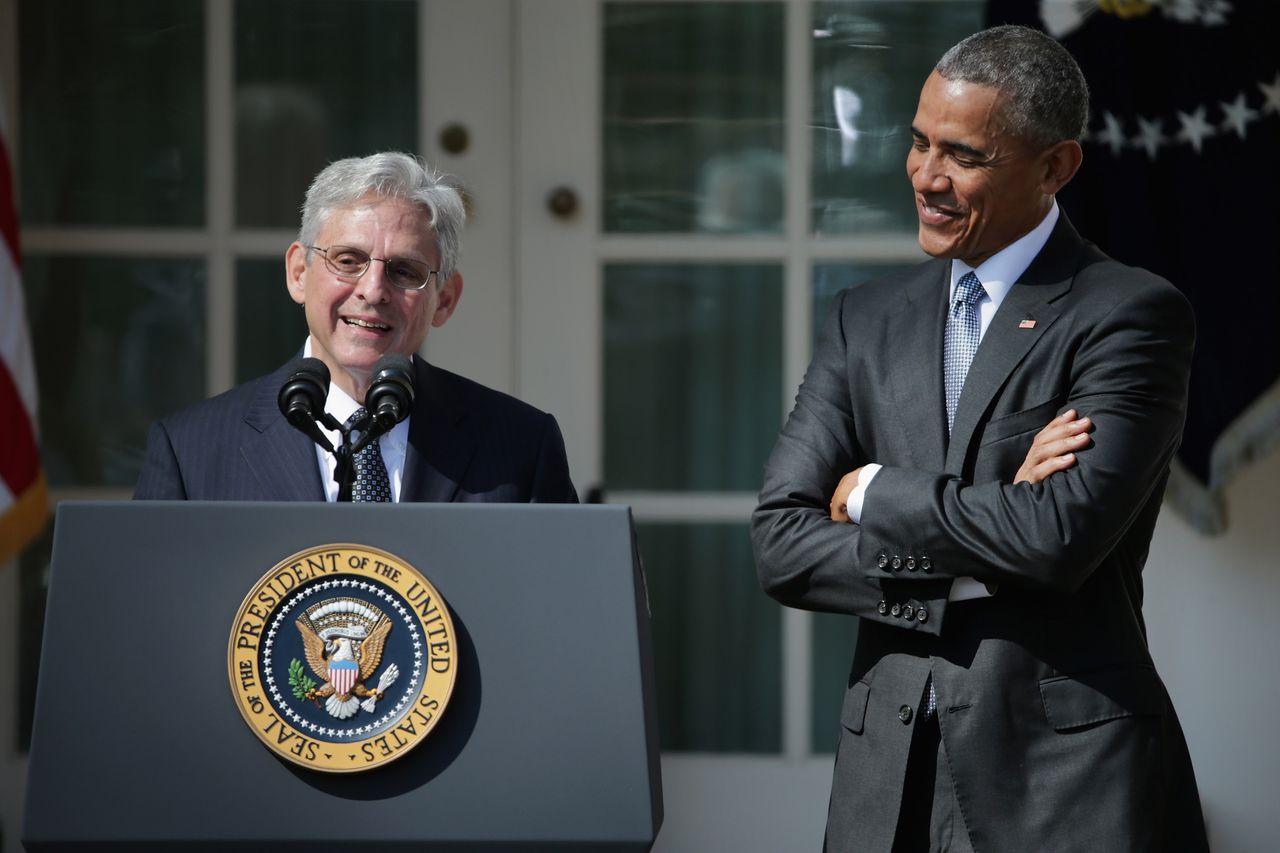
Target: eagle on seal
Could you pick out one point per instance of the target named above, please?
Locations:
(343, 640)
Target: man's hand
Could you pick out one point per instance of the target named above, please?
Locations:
(1053, 448)
(840, 500)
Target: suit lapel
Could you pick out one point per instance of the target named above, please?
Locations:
(915, 374)
(1008, 340)
(440, 449)
(280, 458)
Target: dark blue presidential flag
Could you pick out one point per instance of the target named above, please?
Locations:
(1181, 176)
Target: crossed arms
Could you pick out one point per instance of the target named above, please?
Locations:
(1120, 356)
(1053, 450)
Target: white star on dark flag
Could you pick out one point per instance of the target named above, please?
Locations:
(1194, 128)
(1238, 115)
(1271, 96)
(1151, 136)
(1113, 135)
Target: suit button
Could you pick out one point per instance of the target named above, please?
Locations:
(896, 610)
(926, 564)
(896, 562)
(904, 714)
(883, 608)
(911, 564)
(908, 612)
(882, 560)
(922, 615)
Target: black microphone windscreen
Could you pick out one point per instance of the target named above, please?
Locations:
(303, 394)
(394, 362)
(315, 367)
(390, 394)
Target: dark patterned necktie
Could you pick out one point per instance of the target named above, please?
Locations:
(961, 341)
(372, 485)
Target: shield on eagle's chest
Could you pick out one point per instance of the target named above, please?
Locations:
(342, 674)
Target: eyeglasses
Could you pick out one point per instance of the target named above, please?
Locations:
(404, 273)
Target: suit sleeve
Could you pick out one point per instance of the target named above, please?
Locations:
(161, 477)
(803, 558)
(1129, 375)
(551, 483)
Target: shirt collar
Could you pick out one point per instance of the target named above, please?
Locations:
(1002, 270)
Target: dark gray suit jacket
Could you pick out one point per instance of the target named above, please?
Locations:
(1057, 729)
(466, 443)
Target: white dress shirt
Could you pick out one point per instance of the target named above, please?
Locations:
(998, 274)
(392, 445)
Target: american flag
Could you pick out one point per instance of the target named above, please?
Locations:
(23, 501)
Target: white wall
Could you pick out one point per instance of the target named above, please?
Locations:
(1209, 606)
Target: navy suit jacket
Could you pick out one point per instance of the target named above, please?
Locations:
(466, 443)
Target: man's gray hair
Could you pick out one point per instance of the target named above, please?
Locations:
(1046, 97)
(388, 174)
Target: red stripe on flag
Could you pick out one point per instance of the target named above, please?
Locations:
(8, 213)
(19, 454)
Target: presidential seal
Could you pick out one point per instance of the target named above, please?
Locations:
(342, 658)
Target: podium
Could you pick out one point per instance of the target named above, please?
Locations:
(548, 742)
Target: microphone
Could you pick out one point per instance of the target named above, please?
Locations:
(302, 397)
(390, 394)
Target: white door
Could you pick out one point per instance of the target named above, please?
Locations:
(695, 181)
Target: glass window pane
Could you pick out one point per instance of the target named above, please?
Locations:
(118, 342)
(869, 61)
(692, 375)
(830, 279)
(270, 326)
(717, 640)
(834, 635)
(318, 80)
(693, 117)
(112, 106)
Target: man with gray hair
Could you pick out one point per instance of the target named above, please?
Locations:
(973, 467)
(374, 269)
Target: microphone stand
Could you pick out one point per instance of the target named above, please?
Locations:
(370, 429)
(344, 473)
(344, 453)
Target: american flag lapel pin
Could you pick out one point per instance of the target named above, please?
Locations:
(1027, 324)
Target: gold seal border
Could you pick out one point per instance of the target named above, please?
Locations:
(438, 637)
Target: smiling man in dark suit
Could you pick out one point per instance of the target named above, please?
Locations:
(1002, 696)
(374, 269)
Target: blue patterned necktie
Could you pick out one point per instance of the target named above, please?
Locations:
(372, 485)
(959, 346)
(961, 340)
